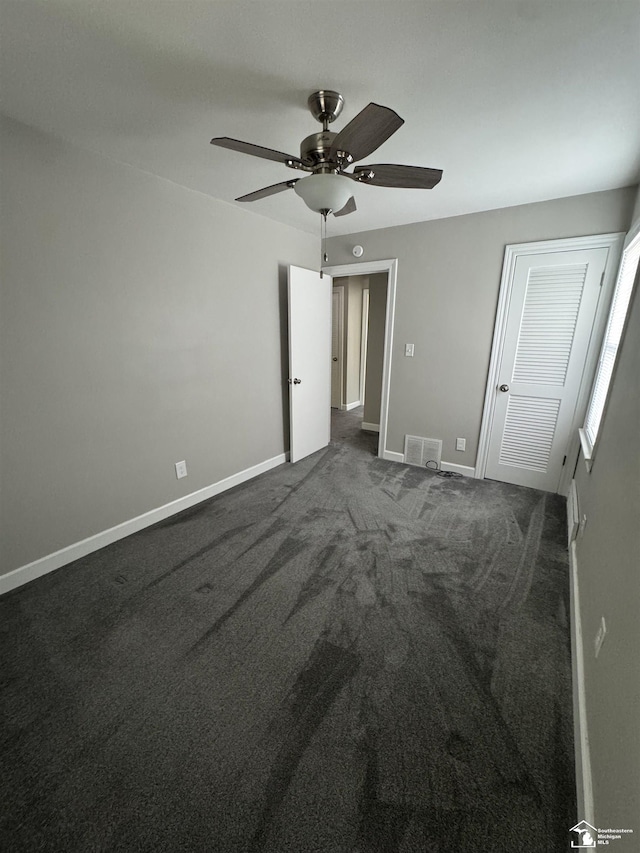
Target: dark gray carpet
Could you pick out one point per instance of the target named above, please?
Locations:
(343, 656)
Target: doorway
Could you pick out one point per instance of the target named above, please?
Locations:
(367, 331)
(358, 325)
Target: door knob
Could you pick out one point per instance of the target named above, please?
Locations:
(297, 381)
(335, 358)
(504, 387)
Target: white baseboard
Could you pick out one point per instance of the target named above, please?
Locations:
(465, 470)
(47, 564)
(350, 406)
(573, 514)
(584, 780)
(372, 428)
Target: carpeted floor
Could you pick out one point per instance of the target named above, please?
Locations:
(342, 656)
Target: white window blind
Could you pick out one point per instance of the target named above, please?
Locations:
(612, 336)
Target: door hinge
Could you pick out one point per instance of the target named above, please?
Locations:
(564, 460)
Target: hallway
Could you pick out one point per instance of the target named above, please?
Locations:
(346, 429)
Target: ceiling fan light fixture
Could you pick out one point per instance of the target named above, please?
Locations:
(324, 191)
(326, 155)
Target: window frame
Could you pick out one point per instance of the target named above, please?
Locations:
(631, 243)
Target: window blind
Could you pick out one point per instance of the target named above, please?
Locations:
(612, 336)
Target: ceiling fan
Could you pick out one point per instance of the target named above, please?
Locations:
(327, 155)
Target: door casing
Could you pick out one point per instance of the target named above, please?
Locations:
(612, 242)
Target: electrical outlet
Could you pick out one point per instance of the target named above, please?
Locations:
(600, 635)
(461, 443)
(181, 469)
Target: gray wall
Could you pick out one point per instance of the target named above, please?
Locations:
(375, 347)
(141, 324)
(448, 280)
(609, 578)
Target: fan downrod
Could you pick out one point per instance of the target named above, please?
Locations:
(325, 106)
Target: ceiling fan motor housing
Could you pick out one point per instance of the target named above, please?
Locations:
(315, 149)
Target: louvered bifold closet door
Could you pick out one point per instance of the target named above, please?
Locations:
(553, 304)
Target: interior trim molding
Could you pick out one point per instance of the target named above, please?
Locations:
(465, 470)
(350, 406)
(584, 779)
(573, 514)
(373, 428)
(31, 571)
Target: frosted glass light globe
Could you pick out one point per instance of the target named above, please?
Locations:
(325, 191)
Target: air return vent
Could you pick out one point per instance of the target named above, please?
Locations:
(419, 451)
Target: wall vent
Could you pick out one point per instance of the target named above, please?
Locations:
(419, 451)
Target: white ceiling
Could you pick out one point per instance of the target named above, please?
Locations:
(515, 101)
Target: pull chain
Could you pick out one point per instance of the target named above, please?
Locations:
(323, 241)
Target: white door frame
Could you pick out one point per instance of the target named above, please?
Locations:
(614, 243)
(390, 266)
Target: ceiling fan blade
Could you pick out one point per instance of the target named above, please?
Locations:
(367, 131)
(267, 191)
(256, 150)
(350, 207)
(394, 175)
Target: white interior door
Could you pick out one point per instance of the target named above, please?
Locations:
(551, 315)
(309, 361)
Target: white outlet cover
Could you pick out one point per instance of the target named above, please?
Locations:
(181, 469)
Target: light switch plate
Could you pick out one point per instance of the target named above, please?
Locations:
(408, 350)
(181, 469)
